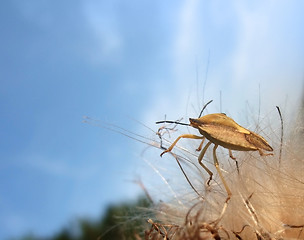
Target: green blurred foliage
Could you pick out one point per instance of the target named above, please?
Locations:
(122, 222)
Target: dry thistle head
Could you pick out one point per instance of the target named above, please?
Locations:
(267, 196)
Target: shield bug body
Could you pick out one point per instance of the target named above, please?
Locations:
(222, 131)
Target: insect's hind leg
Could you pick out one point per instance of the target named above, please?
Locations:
(234, 158)
(216, 164)
(230, 155)
(264, 154)
(200, 158)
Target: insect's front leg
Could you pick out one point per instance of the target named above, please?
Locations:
(181, 136)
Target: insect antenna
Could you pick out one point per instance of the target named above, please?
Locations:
(282, 134)
(204, 108)
(175, 122)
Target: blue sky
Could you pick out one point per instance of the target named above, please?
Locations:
(118, 60)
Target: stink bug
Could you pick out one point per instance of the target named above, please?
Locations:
(222, 131)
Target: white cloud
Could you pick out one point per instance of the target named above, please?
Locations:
(252, 41)
(186, 45)
(61, 167)
(261, 56)
(109, 41)
(256, 56)
(187, 29)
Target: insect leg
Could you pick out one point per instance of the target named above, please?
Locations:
(181, 136)
(200, 158)
(264, 154)
(201, 145)
(230, 155)
(216, 164)
(236, 162)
